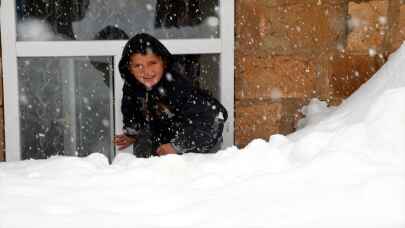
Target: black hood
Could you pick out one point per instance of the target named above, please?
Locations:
(142, 44)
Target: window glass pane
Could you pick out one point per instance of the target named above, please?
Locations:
(118, 19)
(65, 106)
(203, 70)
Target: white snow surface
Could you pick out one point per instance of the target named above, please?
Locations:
(344, 170)
(314, 112)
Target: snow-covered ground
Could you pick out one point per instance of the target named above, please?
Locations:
(345, 168)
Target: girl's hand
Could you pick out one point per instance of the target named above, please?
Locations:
(165, 149)
(123, 141)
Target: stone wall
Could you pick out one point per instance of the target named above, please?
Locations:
(289, 51)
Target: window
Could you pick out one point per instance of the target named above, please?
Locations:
(60, 66)
(65, 106)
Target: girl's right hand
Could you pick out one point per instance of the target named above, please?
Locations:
(123, 141)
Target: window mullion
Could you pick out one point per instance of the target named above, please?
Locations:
(226, 80)
(10, 81)
(103, 48)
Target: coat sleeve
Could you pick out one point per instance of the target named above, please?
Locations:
(201, 124)
(132, 116)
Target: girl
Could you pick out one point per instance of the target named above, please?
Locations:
(162, 112)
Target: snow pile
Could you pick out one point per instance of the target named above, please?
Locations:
(314, 112)
(346, 169)
(370, 123)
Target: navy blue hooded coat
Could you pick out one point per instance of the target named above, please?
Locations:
(172, 111)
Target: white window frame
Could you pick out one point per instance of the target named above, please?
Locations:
(12, 49)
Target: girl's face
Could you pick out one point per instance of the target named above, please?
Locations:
(147, 69)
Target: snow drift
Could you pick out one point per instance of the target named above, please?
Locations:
(346, 169)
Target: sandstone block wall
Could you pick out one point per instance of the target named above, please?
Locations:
(289, 51)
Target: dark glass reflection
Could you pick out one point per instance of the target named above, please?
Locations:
(59, 15)
(203, 70)
(85, 19)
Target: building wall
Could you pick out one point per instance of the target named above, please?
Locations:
(289, 51)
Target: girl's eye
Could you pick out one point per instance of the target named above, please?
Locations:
(136, 66)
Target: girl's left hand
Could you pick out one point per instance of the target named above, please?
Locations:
(165, 149)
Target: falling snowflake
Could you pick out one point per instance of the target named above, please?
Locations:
(382, 20)
(372, 52)
(105, 123)
(169, 77)
(212, 21)
(276, 94)
(149, 7)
